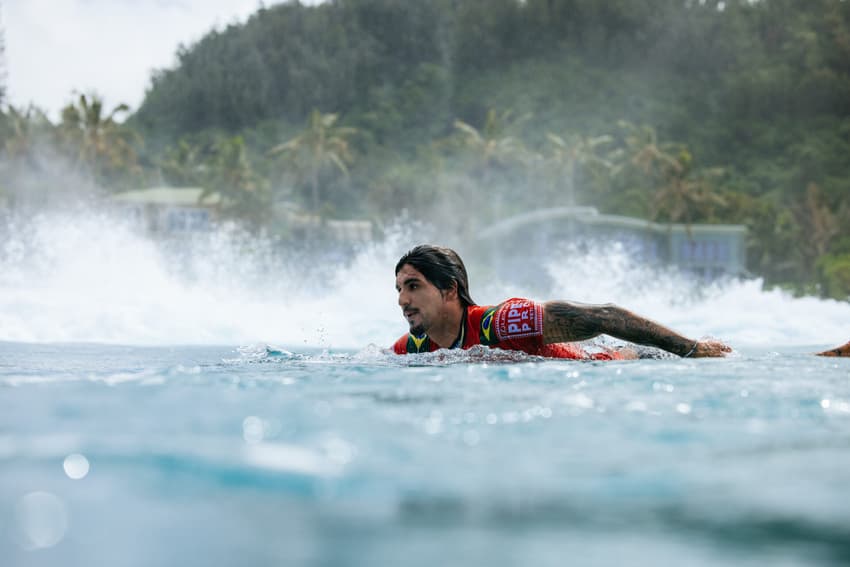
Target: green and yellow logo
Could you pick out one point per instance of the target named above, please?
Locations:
(488, 336)
(418, 344)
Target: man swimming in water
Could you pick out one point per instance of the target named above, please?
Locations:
(433, 292)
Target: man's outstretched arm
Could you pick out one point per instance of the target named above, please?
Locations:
(565, 321)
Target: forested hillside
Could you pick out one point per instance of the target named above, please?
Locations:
(677, 110)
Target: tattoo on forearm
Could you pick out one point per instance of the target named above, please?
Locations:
(564, 322)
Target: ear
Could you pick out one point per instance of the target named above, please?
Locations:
(450, 294)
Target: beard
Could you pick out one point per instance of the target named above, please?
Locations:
(417, 330)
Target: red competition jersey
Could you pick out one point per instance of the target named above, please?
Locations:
(516, 324)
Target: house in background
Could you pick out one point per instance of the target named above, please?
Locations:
(706, 250)
(169, 210)
(179, 210)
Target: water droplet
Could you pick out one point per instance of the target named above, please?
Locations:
(42, 520)
(252, 429)
(76, 466)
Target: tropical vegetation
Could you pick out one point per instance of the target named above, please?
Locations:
(719, 111)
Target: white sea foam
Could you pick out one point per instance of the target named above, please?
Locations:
(739, 311)
(88, 278)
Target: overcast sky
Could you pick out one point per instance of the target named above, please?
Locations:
(54, 47)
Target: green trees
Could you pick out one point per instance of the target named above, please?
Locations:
(676, 191)
(569, 160)
(319, 150)
(28, 158)
(96, 143)
(21, 132)
(244, 194)
(729, 111)
(492, 146)
(494, 161)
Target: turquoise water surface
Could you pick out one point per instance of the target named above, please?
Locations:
(122, 446)
(138, 456)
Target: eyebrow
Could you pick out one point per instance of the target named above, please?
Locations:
(412, 279)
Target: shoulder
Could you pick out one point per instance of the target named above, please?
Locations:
(502, 325)
(479, 324)
(400, 346)
(518, 318)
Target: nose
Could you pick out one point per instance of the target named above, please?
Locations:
(403, 300)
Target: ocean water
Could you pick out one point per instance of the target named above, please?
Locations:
(221, 403)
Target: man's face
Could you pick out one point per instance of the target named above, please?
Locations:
(421, 301)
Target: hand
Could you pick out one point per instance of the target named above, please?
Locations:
(706, 349)
(843, 350)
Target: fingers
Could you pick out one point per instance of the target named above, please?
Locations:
(714, 349)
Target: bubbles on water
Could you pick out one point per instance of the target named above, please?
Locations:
(579, 401)
(433, 423)
(42, 520)
(256, 429)
(252, 429)
(290, 459)
(683, 408)
(338, 450)
(835, 406)
(76, 466)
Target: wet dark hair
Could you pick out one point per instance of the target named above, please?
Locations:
(441, 266)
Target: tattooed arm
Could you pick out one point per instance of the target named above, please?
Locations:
(565, 321)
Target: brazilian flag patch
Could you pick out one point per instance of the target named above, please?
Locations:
(418, 344)
(488, 332)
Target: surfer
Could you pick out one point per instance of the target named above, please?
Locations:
(433, 293)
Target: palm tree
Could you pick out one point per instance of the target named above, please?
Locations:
(566, 158)
(684, 193)
(244, 194)
(643, 151)
(493, 150)
(26, 137)
(96, 140)
(184, 164)
(680, 193)
(819, 223)
(319, 147)
(492, 146)
(22, 131)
